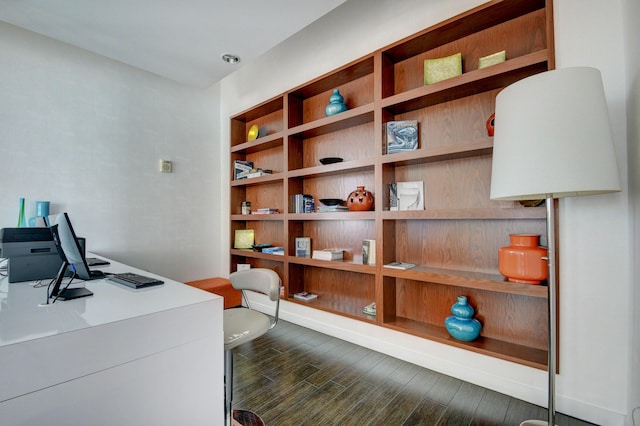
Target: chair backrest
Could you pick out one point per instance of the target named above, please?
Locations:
(261, 280)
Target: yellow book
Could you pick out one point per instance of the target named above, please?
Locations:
(442, 68)
(244, 239)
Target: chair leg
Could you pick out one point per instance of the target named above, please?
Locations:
(228, 385)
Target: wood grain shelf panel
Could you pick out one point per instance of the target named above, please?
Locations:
(333, 169)
(341, 265)
(332, 216)
(274, 177)
(534, 213)
(262, 217)
(532, 357)
(260, 144)
(473, 280)
(334, 123)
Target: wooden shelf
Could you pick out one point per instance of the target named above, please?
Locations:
(471, 280)
(456, 238)
(333, 169)
(275, 217)
(532, 357)
(332, 216)
(257, 254)
(344, 120)
(468, 214)
(274, 177)
(261, 144)
(341, 265)
(337, 306)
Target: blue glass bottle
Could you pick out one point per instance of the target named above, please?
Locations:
(336, 104)
(461, 325)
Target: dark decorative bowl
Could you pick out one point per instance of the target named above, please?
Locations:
(331, 201)
(330, 160)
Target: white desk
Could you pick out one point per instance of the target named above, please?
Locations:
(152, 356)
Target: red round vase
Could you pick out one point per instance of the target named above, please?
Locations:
(360, 200)
(523, 261)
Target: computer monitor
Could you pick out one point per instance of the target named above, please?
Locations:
(73, 251)
(72, 255)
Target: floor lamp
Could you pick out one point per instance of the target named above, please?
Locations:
(553, 139)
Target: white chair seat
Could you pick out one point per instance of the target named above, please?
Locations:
(242, 325)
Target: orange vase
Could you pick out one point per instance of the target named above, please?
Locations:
(360, 200)
(523, 261)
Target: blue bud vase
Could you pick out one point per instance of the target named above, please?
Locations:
(462, 325)
(336, 104)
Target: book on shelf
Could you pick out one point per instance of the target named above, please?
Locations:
(402, 136)
(393, 196)
(244, 238)
(410, 195)
(400, 265)
(303, 247)
(303, 203)
(274, 250)
(370, 309)
(266, 211)
(258, 172)
(368, 252)
(331, 209)
(305, 296)
(328, 254)
(241, 169)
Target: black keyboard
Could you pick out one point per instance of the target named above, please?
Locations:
(134, 280)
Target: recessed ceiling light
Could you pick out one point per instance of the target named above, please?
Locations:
(230, 58)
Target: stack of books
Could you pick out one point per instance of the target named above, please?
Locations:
(305, 296)
(258, 172)
(274, 250)
(241, 169)
(266, 211)
(303, 203)
(328, 254)
(331, 209)
(400, 265)
(370, 309)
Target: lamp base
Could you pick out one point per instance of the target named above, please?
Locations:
(534, 423)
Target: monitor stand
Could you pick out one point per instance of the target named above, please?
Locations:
(69, 293)
(74, 293)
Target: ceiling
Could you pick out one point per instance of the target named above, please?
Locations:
(182, 40)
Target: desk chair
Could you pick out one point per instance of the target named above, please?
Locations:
(244, 324)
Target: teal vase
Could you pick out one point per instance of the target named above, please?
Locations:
(461, 325)
(22, 222)
(336, 104)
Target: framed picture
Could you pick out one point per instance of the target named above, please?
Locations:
(303, 247)
(402, 136)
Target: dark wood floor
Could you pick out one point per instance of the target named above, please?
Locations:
(297, 376)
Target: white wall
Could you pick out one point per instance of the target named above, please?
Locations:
(596, 311)
(632, 54)
(87, 133)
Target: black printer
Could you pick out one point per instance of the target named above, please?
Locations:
(31, 253)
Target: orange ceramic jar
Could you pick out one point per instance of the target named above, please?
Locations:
(523, 261)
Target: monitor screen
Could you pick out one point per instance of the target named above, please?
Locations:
(72, 250)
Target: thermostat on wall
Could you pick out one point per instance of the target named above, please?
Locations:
(166, 166)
